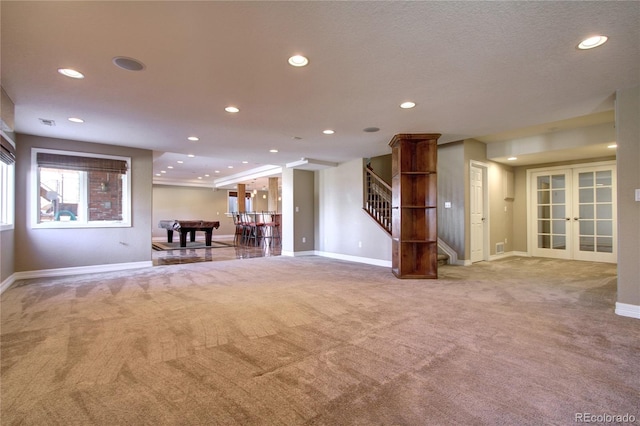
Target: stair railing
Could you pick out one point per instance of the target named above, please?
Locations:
(377, 199)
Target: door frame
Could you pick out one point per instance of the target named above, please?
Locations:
(486, 252)
(531, 225)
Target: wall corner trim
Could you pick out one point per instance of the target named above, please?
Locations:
(626, 310)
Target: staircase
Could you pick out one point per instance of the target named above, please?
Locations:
(377, 203)
(377, 200)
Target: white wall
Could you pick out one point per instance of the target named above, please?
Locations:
(342, 225)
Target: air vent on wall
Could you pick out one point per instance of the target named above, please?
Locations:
(47, 122)
(499, 248)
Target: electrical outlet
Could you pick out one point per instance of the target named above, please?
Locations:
(637, 194)
(304, 239)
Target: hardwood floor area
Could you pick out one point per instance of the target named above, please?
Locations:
(193, 255)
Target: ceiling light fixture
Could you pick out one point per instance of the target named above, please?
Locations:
(245, 162)
(180, 161)
(70, 73)
(592, 42)
(298, 61)
(76, 120)
(273, 150)
(612, 146)
(169, 167)
(232, 109)
(512, 158)
(190, 155)
(407, 105)
(193, 138)
(328, 132)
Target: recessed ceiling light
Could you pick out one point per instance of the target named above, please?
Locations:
(328, 132)
(70, 73)
(229, 167)
(207, 175)
(180, 161)
(232, 109)
(407, 105)
(216, 171)
(128, 64)
(190, 155)
(298, 61)
(163, 171)
(512, 158)
(613, 145)
(169, 167)
(245, 162)
(273, 150)
(76, 120)
(199, 177)
(592, 42)
(193, 138)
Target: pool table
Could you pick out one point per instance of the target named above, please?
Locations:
(189, 227)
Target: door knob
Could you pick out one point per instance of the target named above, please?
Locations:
(575, 218)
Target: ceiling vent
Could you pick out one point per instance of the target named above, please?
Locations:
(47, 122)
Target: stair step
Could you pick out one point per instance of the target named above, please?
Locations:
(443, 259)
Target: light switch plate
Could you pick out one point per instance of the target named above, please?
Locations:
(637, 194)
(447, 204)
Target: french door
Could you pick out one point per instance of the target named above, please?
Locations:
(574, 213)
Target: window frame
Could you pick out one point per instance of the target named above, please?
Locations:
(7, 196)
(7, 185)
(35, 194)
(247, 197)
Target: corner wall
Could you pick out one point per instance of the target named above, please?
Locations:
(343, 227)
(628, 169)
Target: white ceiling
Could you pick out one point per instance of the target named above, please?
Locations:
(474, 69)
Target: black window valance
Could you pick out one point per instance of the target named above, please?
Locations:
(7, 151)
(84, 164)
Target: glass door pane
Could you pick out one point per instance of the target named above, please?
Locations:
(551, 211)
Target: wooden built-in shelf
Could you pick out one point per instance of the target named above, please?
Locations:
(414, 200)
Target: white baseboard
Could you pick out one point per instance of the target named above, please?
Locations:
(508, 254)
(626, 310)
(297, 253)
(7, 283)
(78, 270)
(358, 259)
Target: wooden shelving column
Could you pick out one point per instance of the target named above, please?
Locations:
(413, 205)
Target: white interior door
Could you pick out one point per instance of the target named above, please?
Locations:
(574, 213)
(551, 201)
(477, 214)
(594, 215)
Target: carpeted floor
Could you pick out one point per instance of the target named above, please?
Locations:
(316, 341)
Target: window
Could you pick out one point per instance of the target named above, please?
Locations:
(80, 190)
(233, 202)
(7, 186)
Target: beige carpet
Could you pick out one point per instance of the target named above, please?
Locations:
(290, 341)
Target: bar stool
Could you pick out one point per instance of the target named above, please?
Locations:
(271, 227)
